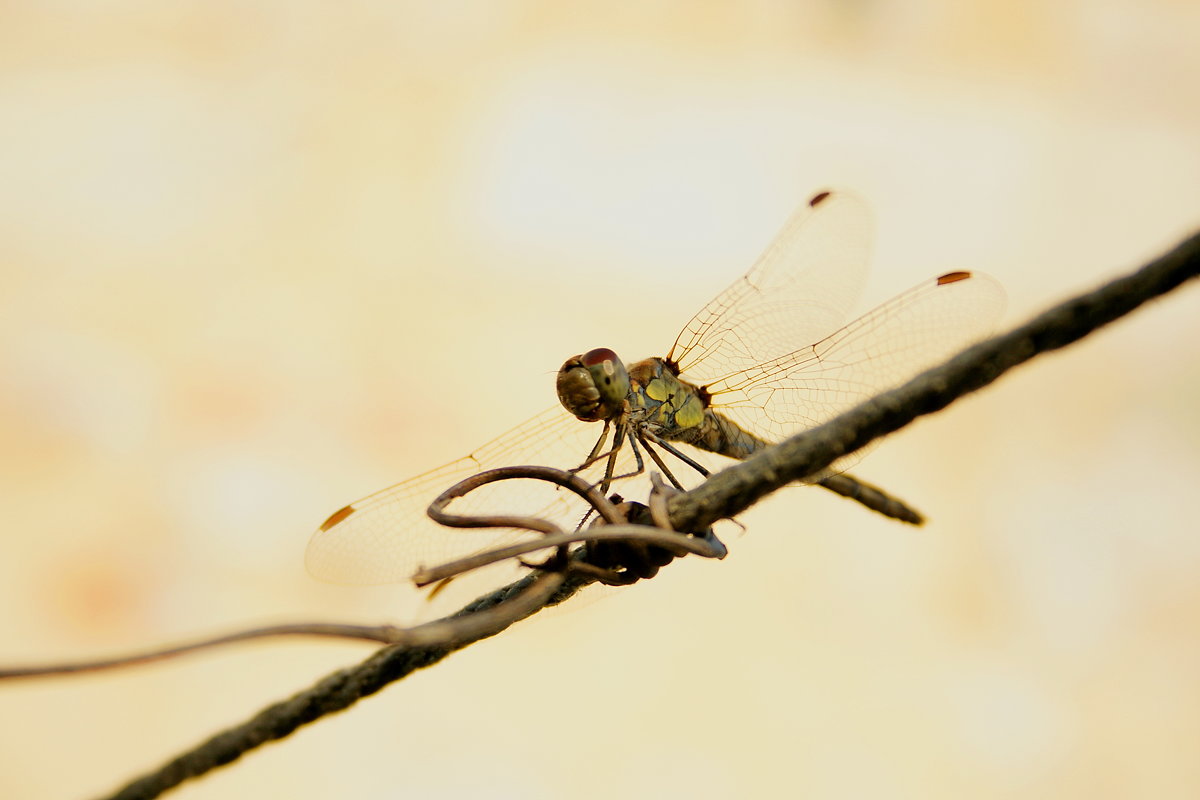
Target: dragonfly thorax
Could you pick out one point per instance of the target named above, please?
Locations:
(593, 386)
(667, 404)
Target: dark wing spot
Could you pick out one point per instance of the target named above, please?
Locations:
(952, 277)
(817, 199)
(337, 517)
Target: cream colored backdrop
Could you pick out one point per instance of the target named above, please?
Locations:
(258, 259)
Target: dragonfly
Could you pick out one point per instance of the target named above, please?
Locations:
(766, 358)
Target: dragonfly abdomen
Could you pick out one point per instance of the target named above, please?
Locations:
(719, 434)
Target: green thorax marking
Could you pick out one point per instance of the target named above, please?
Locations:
(662, 399)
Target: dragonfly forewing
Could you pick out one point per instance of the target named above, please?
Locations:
(801, 289)
(877, 351)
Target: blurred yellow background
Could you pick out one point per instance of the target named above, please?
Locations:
(259, 259)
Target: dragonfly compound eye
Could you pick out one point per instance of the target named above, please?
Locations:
(593, 386)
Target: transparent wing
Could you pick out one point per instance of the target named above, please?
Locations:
(877, 351)
(387, 536)
(798, 291)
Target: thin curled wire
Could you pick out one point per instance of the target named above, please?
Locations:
(615, 526)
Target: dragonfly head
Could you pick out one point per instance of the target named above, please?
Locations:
(593, 386)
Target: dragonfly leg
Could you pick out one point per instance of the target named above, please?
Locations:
(872, 497)
(675, 451)
(620, 433)
(595, 455)
(612, 464)
(605, 483)
(645, 438)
